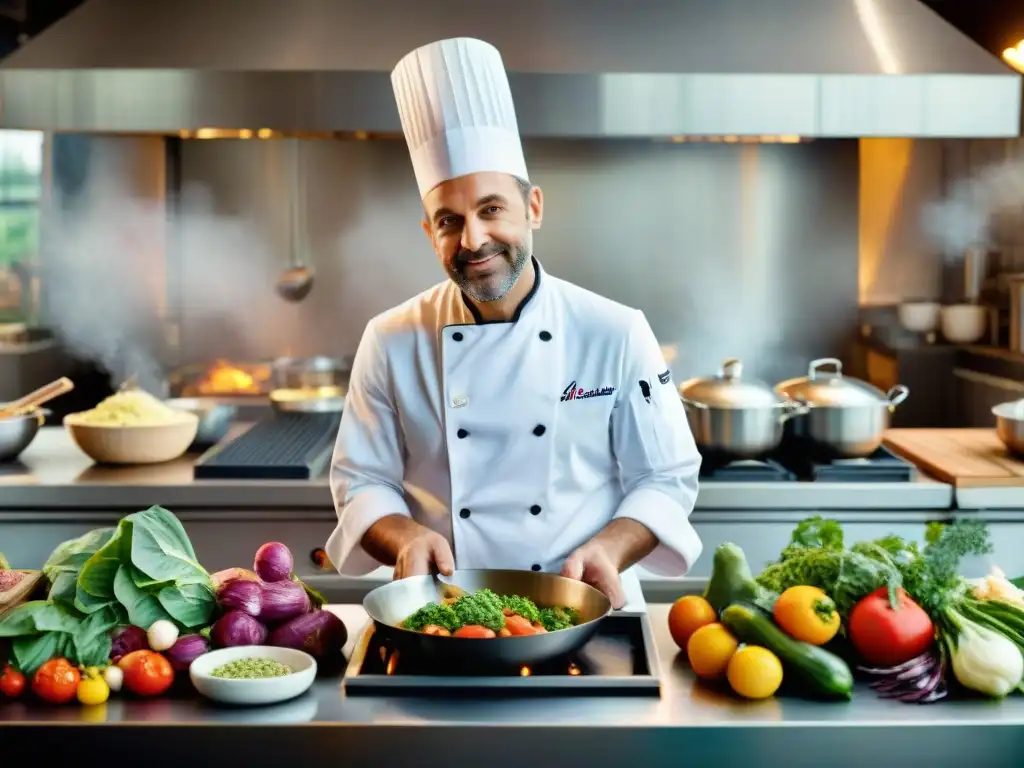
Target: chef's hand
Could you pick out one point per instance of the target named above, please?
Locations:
(593, 564)
(424, 553)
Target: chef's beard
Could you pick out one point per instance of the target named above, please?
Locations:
(503, 272)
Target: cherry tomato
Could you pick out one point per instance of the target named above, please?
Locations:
(519, 626)
(12, 682)
(474, 630)
(146, 673)
(56, 681)
(433, 629)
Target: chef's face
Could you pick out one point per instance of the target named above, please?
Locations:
(481, 226)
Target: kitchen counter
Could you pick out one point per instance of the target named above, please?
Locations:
(54, 475)
(705, 724)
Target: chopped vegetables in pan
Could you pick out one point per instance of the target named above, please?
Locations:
(486, 614)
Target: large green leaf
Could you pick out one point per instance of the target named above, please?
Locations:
(145, 583)
(70, 556)
(160, 548)
(191, 605)
(33, 651)
(64, 587)
(97, 576)
(87, 603)
(92, 641)
(55, 617)
(21, 620)
(143, 608)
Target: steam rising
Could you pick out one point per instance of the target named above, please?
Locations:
(108, 264)
(969, 213)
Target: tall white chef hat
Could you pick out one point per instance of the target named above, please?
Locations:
(457, 112)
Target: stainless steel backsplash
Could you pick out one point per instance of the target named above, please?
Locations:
(731, 250)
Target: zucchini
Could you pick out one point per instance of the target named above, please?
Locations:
(821, 672)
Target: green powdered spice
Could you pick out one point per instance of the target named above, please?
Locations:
(252, 669)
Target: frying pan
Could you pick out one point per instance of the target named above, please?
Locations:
(392, 603)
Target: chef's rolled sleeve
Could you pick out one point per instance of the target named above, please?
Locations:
(367, 467)
(656, 453)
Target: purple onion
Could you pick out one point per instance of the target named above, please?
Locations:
(126, 639)
(283, 600)
(320, 634)
(237, 628)
(187, 649)
(274, 562)
(242, 595)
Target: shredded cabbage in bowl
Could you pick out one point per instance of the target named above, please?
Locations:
(132, 408)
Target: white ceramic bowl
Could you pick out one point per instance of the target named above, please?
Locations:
(920, 316)
(107, 444)
(964, 323)
(267, 690)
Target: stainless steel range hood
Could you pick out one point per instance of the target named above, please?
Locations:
(579, 68)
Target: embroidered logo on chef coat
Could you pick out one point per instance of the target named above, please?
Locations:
(665, 377)
(574, 392)
(645, 390)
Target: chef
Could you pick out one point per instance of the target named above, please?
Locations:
(504, 418)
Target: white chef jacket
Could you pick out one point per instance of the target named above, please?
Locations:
(517, 441)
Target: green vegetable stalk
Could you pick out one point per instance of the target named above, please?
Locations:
(983, 659)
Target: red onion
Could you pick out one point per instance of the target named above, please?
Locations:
(283, 600)
(242, 595)
(274, 562)
(228, 574)
(237, 628)
(186, 650)
(320, 634)
(125, 640)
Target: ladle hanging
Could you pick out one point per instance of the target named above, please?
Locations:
(296, 281)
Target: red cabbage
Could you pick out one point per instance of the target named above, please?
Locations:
(283, 600)
(126, 639)
(241, 594)
(320, 634)
(187, 649)
(237, 628)
(273, 562)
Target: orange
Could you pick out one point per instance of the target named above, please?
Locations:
(754, 672)
(709, 650)
(807, 614)
(687, 615)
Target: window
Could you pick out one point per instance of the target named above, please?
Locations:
(21, 163)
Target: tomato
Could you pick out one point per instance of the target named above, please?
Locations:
(433, 629)
(807, 614)
(12, 682)
(539, 627)
(56, 681)
(146, 673)
(93, 690)
(887, 637)
(474, 630)
(519, 626)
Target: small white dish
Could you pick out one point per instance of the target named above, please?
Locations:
(264, 690)
(964, 323)
(919, 316)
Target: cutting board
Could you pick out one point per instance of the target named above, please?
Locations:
(965, 458)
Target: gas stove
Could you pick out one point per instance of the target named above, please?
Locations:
(796, 466)
(620, 659)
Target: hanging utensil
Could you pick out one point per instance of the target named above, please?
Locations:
(296, 281)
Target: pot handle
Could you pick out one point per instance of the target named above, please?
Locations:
(732, 368)
(693, 403)
(816, 365)
(897, 395)
(791, 408)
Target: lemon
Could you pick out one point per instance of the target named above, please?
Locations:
(754, 672)
(709, 650)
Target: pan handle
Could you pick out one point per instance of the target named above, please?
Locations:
(897, 395)
(791, 408)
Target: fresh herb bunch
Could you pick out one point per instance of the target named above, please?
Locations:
(817, 556)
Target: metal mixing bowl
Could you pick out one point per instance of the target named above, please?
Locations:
(214, 418)
(1010, 425)
(18, 432)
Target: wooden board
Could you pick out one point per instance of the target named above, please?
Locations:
(965, 458)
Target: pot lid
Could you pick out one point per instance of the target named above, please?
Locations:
(831, 389)
(729, 390)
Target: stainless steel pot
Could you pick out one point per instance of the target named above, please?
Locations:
(1010, 425)
(736, 418)
(392, 603)
(847, 416)
(310, 372)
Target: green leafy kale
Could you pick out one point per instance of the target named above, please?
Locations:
(521, 606)
(931, 576)
(557, 618)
